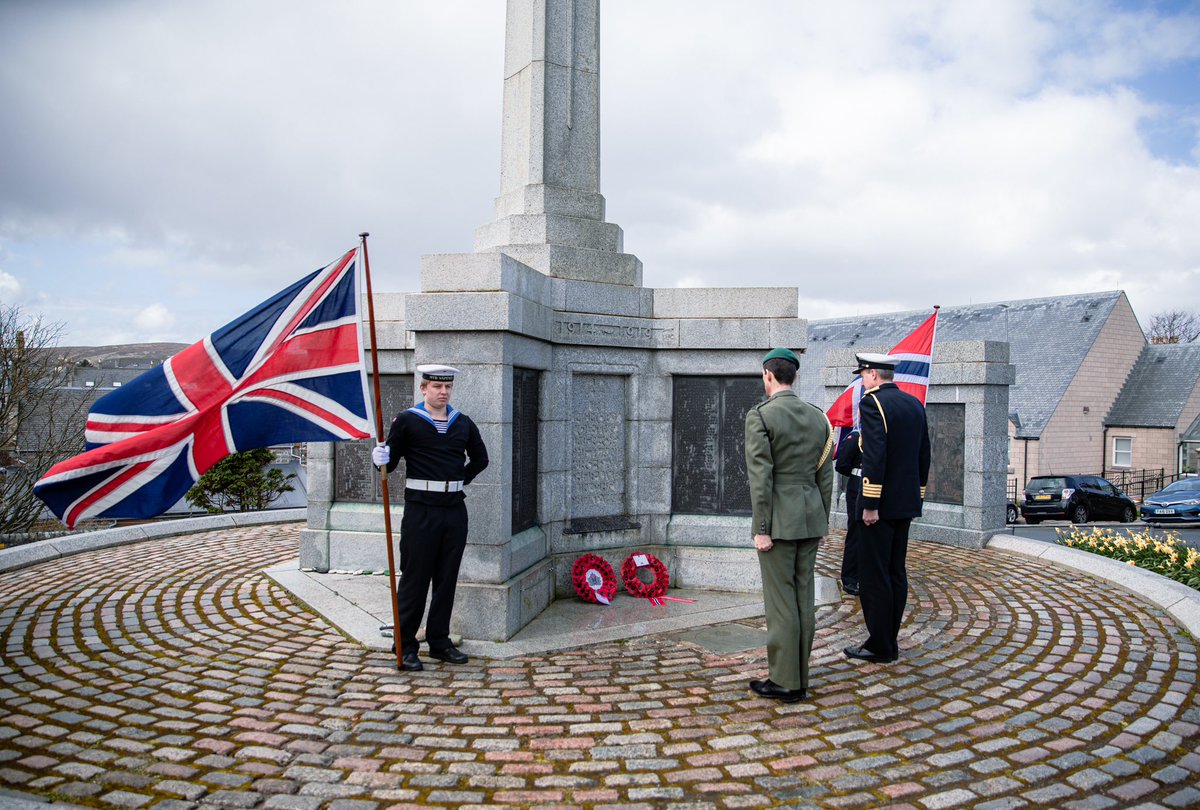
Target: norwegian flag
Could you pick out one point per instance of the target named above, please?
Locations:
(290, 370)
(915, 354)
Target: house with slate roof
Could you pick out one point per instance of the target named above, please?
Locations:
(1073, 355)
(1155, 421)
(86, 384)
(81, 388)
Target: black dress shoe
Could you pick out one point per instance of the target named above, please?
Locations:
(850, 588)
(410, 663)
(866, 655)
(769, 689)
(451, 655)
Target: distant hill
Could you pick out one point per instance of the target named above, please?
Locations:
(128, 355)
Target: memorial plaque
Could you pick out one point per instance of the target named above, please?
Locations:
(608, 523)
(708, 467)
(598, 445)
(947, 439)
(695, 451)
(355, 478)
(524, 449)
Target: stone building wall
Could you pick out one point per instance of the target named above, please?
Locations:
(1073, 441)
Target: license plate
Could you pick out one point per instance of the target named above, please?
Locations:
(1041, 497)
(1164, 511)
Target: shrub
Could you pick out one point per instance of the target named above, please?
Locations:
(1165, 554)
(241, 483)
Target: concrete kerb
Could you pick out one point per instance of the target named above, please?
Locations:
(66, 545)
(1177, 599)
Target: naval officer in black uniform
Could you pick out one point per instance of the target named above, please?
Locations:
(895, 469)
(444, 452)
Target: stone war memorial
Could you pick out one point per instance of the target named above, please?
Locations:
(613, 413)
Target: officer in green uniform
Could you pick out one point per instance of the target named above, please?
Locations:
(788, 450)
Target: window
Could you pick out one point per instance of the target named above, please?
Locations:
(1122, 455)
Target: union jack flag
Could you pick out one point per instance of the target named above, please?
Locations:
(290, 370)
(915, 354)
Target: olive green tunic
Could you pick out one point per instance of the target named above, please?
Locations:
(788, 461)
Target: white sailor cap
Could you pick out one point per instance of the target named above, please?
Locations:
(871, 360)
(438, 373)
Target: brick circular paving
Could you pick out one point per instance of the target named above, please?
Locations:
(174, 674)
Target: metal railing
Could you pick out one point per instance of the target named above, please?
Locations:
(1137, 484)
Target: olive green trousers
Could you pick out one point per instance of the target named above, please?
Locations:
(789, 596)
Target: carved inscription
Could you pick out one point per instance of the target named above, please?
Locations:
(524, 449)
(695, 462)
(592, 330)
(947, 438)
(738, 397)
(355, 479)
(708, 444)
(598, 441)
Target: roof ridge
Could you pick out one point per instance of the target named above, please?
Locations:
(1106, 295)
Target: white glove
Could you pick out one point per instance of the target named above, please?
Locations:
(381, 455)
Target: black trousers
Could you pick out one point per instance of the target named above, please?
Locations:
(432, 541)
(850, 551)
(883, 582)
(854, 527)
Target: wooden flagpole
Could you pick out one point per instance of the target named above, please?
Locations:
(383, 473)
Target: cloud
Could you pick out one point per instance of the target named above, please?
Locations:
(201, 157)
(245, 145)
(10, 288)
(153, 319)
(932, 155)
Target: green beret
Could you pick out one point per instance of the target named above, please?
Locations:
(782, 354)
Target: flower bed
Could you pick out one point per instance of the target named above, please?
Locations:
(1165, 554)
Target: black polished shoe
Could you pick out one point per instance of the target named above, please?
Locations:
(410, 663)
(850, 588)
(451, 655)
(769, 689)
(864, 654)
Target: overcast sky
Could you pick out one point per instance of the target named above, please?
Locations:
(167, 164)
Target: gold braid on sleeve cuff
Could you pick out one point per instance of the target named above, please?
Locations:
(922, 493)
(870, 490)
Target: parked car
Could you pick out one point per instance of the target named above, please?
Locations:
(1077, 498)
(1175, 503)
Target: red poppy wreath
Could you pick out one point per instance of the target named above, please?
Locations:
(594, 579)
(646, 590)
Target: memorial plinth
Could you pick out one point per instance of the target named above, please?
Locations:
(605, 369)
(583, 383)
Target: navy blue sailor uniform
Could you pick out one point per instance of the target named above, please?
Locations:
(441, 457)
(895, 469)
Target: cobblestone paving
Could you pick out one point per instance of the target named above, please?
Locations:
(173, 674)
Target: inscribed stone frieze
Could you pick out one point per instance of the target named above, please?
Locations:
(609, 331)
